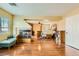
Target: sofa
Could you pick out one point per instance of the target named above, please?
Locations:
(10, 41)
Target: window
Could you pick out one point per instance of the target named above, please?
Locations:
(4, 24)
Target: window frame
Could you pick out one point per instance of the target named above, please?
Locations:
(4, 23)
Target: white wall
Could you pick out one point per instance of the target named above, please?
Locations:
(61, 25)
(20, 24)
(72, 31)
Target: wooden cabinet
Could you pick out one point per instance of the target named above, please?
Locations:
(62, 36)
(37, 30)
(39, 33)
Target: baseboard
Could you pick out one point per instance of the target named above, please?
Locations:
(73, 47)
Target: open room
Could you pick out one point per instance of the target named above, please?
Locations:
(39, 29)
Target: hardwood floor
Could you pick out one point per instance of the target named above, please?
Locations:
(71, 51)
(36, 48)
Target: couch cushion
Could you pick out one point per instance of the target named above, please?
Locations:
(9, 41)
(11, 36)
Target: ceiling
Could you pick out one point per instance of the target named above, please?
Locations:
(39, 9)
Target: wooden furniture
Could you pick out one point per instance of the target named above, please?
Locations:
(19, 39)
(48, 36)
(27, 40)
(37, 28)
(24, 35)
(62, 36)
(39, 34)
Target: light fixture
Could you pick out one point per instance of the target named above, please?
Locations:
(12, 4)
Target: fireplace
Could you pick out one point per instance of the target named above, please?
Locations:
(25, 33)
